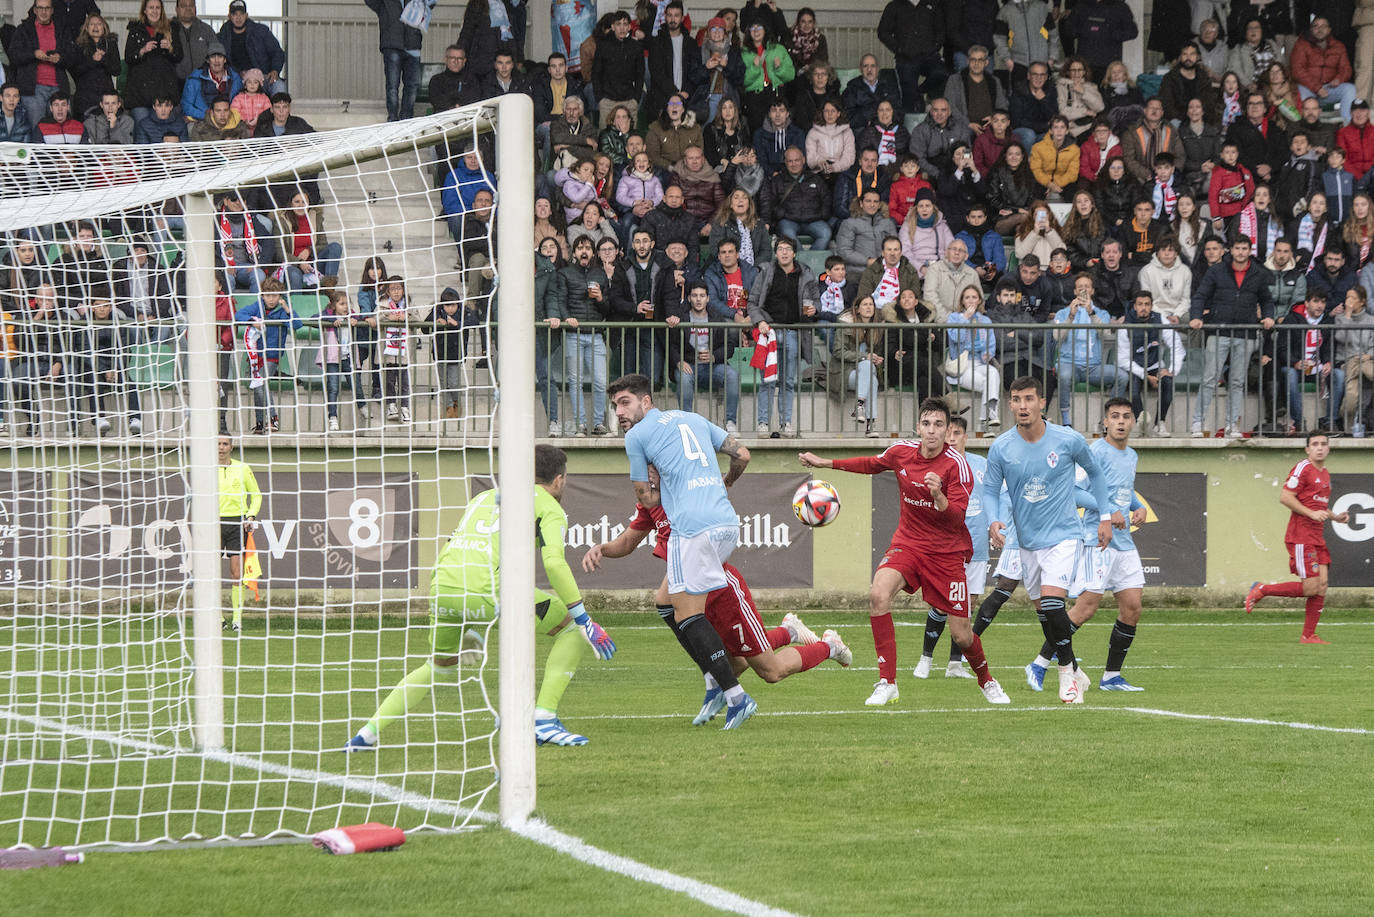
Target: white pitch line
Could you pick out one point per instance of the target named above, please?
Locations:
(534, 830)
(1246, 721)
(1036, 624)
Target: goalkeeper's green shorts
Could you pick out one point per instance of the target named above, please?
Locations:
(452, 614)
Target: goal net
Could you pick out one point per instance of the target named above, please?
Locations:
(183, 658)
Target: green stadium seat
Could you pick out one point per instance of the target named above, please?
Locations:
(845, 74)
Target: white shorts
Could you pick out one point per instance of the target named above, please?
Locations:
(1054, 566)
(976, 575)
(1009, 564)
(694, 561)
(1108, 570)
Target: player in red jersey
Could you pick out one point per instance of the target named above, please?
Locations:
(930, 547)
(1307, 494)
(731, 613)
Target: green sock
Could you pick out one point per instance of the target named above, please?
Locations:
(236, 599)
(412, 689)
(568, 649)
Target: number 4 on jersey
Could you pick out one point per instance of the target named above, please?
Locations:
(691, 448)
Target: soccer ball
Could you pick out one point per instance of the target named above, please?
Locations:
(816, 503)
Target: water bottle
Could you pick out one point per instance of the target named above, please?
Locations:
(17, 858)
(1357, 429)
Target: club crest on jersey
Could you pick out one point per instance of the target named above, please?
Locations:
(1052, 459)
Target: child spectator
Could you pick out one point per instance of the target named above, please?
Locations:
(393, 313)
(1164, 191)
(905, 188)
(1338, 184)
(576, 188)
(224, 324)
(267, 319)
(925, 234)
(105, 371)
(447, 321)
(367, 383)
(834, 296)
(336, 327)
(251, 101)
(987, 254)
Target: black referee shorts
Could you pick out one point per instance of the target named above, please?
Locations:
(231, 537)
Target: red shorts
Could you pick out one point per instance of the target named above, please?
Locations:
(1304, 558)
(733, 615)
(939, 577)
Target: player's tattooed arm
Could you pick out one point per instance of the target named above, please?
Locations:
(646, 494)
(739, 458)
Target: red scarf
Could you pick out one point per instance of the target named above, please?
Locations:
(766, 354)
(226, 238)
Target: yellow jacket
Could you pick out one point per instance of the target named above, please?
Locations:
(238, 491)
(1051, 165)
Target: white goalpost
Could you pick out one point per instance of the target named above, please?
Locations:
(330, 302)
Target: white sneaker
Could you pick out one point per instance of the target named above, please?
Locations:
(405, 415)
(1232, 431)
(1197, 429)
(1069, 692)
(788, 430)
(135, 427)
(391, 411)
(994, 693)
(801, 634)
(333, 425)
(922, 669)
(957, 670)
(1160, 429)
(838, 651)
(102, 425)
(555, 428)
(731, 427)
(883, 694)
(762, 429)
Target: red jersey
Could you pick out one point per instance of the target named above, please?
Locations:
(1312, 486)
(655, 520)
(921, 527)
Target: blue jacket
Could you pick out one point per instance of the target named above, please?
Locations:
(1339, 186)
(461, 186)
(977, 342)
(718, 305)
(992, 249)
(770, 145)
(275, 332)
(150, 129)
(264, 50)
(199, 92)
(22, 132)
(1082, 348)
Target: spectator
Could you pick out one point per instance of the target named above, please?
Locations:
(15, 126)
(503, 79)
(1141, 234)
(617, 68)
(1231, 293)
(371, 291)
(570, 137)
(638, 348)
(59, 127)
(1357, 140)
(1298, 180)
(738, 220)
(1082, 358)
(967, 24)
(883, 134)
(1140, 362)
(1011, 189)
(102, 369)
(547, 262)
(640, 191)
(1331, 276)
(268, 319)
(394, 314)
(1189, 228)
(1363, 22)
(925, 233)
(946, 279)
(1123, 102)
(282, 122)
(1054, 161)
(336, 338)
(671, 287)
(311, 260)
(1281, 95)
(863, 176)
(913, 351)
(251, 44)
(830, 143)
(933, 140)
(988, 145)
(1031, 302)
(859, 240)
(914, 31)
(1213, 250)
(94, 63)
(209, 82)
(767, 69)
(797, 200)
(886, 278)
(669, 137)
(960, 188)
(1098, 29)
(701, 190)
(1141, 144)
(1259, 141)
(251, 102)
(455, 85)
(592, 223)
(700, 356)
(146, 292)
(775, 137)
(163, 119)
(762, 11)
(1033, 105)
(1114, 280)
(1321, 67)
(108, 122)
(1231, 101)
(987, 254)
(49, 358)
(670, 222)
(40, 52)
(1188, 80)
(837, 295)
(674, 61)
(1288, 287)
(1320, 134)
(784, 293)
(400, 45)
(1232, 186)
(866, 92)
(221, 122)
(818, 86)
(1258, 223)
(1026, 33)
(612, 284)
(615, 135)
(1305, 344)
(860, 350)
(1252, 57)
(1083, 232)
(974, 94)
(728, 282)
(1355, 357)
(1079, 100)
(462, 183)
(1038, 233)
(1211, 45)
(196, 38)
(723, 73)
(1201, 146)
(971, 354)
(549, 224)
(1164, 190)
(806, 43)
(1116, 194)
(727, 142)
(1357, 232)
(1093, 153)
(1169, 282)
(240, 250)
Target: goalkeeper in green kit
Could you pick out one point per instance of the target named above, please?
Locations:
(465, 588)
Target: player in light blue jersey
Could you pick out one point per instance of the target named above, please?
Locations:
(1037, 461)
(1116, 567)
(682, 447)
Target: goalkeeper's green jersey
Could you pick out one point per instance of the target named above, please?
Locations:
(469, 566)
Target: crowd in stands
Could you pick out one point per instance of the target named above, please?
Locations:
(1007, 170)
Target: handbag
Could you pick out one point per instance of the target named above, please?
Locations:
(416, 14)
(954, 367)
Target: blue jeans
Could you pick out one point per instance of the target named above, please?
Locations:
(712, 379)
(1024, 136)
(818, 230)
(863, 381)
(1099, 374)
(1216, 354)
(333, 379)
(240, 277)
(1342, 94)
(37, 104)
(789, 369)
(1293, 380)
(545, 353)
(584, 355)
(400, 67)
(326, 264)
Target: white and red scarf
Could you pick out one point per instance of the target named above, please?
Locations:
(254, 347)
(888, 289)
(226, 239)
(766, 354)
(1315, 245)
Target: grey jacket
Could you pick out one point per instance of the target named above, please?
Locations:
(861, 238)
(807, 289)
(932, 144)
(196, 39)
(1016, 32)
(958, 105)
(1354, 335)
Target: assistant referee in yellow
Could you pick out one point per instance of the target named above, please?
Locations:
(239, 502)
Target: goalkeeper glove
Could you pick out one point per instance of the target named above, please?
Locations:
(596, 635)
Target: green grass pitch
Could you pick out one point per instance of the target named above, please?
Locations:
(820, 806)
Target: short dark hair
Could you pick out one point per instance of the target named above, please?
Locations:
(934, 406)
(60, 96)
(648, 232)
(698, 285)
(1027, 383)
(1165, 159)
(788, 241)
(636, 384)
(730, 242)
(549, 463)
(832, 261)
(1031, 260)
(1142, 294)
(960, 422)
(977, 205)
(280, 97)
(163, 97)
(577, 243)
(1316, 296)
(558, 54)
(9, 85)
(1117, 402)
(1316, 434)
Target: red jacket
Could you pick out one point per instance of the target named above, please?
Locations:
(1315, 67)
(1358, 143)
(1229, 179)
(903, 196)
(224, 317)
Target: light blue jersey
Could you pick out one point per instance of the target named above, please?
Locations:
(974, 517)
(1040, 483)
(682, 446)
(1118, 466)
